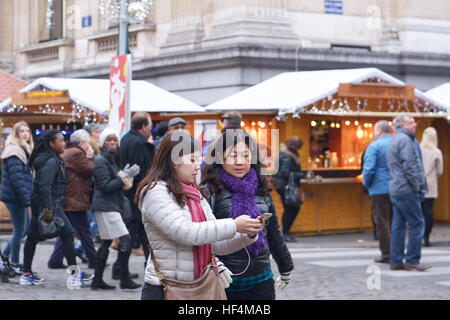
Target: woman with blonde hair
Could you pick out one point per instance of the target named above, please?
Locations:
(433, 166)
(17, 182)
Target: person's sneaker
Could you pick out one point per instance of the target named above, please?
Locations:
(18, 268)
(85, 278)
(31, 280)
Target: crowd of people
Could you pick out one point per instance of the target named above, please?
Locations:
(187, 205)
(144, 192)
(401, 176)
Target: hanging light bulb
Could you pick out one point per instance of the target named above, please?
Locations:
(313, 123)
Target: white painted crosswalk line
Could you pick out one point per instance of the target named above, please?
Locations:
(443, 283)
(297, 250)
(362, 252)
(367, 262)
(434, 271)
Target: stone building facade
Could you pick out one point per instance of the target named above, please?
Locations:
(205, 50)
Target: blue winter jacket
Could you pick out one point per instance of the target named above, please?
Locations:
(375, 170)
(17, 182)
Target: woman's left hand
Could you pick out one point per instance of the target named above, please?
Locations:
(283, 280)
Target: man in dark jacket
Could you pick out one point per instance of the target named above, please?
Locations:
(407, 188)
(137, 150)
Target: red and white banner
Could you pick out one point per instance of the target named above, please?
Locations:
(119, 97)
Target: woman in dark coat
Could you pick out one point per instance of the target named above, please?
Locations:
(48, 196)
(236, 187)
(17, 183)
(108, 205)
(289, 163)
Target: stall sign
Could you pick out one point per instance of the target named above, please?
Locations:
(377, 91)
(36, 98)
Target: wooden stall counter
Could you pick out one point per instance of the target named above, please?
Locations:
(330, 205)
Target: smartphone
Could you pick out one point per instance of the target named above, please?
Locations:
(265, 216)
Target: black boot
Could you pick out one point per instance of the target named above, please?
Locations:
(125, 279)
(116, 271)
(100, 263)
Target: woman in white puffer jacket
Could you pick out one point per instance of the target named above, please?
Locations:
(180, 226)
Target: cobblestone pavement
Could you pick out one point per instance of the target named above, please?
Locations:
(326, 267)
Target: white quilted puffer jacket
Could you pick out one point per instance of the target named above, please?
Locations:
(173, 235)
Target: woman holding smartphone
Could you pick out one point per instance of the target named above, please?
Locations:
(236, 187)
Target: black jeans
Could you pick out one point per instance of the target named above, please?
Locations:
(262, 291)
(151, 292)
(137, 231)
(427, 210)
(33, 238)
(289, 214)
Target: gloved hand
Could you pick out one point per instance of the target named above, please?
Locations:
(283, 280)
(126, 179)
(131, 171)
(224, 274)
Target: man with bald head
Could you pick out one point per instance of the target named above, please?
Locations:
(407, 188)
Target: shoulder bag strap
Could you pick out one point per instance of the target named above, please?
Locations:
(155, 264)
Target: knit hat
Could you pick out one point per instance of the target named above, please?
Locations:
(107, 132)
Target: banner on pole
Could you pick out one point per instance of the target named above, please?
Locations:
(119, 96)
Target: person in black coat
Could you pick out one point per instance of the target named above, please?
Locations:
(48, 197)
(289, 163)
(108, 204)
(236, 187)
(135, 149)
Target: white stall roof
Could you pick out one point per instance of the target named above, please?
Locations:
(290, 90)
(441, 94)
(94, 94)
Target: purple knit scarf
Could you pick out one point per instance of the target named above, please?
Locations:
(243, 202)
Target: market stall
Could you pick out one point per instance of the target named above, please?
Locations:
(334, 113)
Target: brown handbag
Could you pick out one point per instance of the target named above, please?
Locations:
(207, 287)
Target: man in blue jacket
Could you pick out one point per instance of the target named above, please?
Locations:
(376, 180)
(407, 188)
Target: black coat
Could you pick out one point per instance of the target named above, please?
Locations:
(108, 188)
(221, 203)
(136, 150)
(49, 187)
(286, 165)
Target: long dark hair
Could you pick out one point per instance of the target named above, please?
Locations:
(163, 166)
(43, 145)
(211, 171)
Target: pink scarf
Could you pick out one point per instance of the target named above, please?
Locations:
(203, 253)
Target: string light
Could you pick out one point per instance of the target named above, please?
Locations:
(137, 11)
